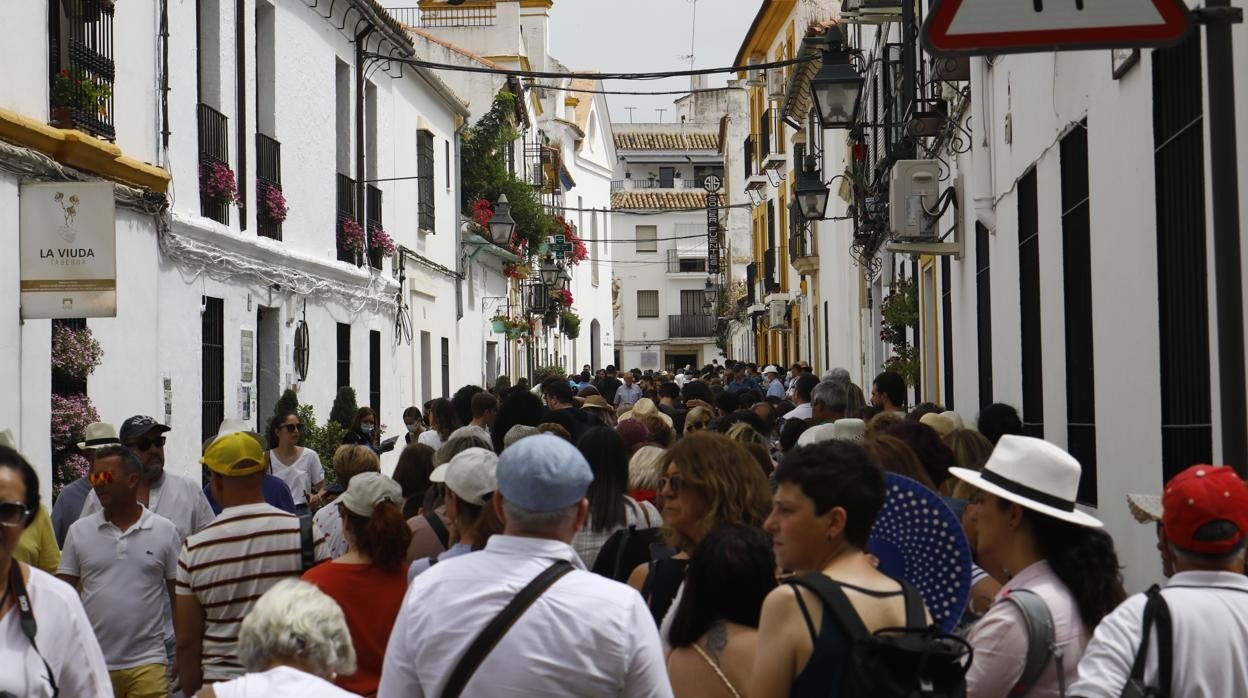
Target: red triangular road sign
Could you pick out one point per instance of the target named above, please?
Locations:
(979, 27)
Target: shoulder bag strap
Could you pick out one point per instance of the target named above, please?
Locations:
(438, 528)
(616, 569)
(1038, 622)
(1156, 613)
(307, 546)
(26, 618)
(916, 612)
(485, 642)
(836, 602)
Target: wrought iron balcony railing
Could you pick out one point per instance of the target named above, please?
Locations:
(372, 218)
(681, 326)
(213, 150)
(345, 187)
(268, 178)
(81, 55)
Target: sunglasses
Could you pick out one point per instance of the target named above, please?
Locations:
(13, 513)
(675, 482)
(103, 477)
(158, 442)
(292, 428)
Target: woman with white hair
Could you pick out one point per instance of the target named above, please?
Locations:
(292, 643)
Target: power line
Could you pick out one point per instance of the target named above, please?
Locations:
(432, 65)
(628, 92)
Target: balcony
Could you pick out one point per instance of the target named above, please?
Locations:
(345, 187)
(213, 149)
(771, 144)
(445, 16)
(802, 253)
(687, 263)
(81, 84)
(268, 178)
(653, 183)
(682, 326)
(372, 219)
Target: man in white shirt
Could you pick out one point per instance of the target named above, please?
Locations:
(1205, 528)
(629, 393)
(125, 559)
(585, 635)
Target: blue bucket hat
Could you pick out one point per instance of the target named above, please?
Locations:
(543, 473)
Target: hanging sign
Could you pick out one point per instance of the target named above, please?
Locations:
(712, 184)
(68, 250)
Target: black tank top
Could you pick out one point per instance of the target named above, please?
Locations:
(824, 673)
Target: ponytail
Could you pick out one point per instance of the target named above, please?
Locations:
(383, 536)
(1085, 560)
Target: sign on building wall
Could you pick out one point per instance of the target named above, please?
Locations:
(712, 184)
(68, 250)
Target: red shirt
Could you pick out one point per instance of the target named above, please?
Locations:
(370, 599)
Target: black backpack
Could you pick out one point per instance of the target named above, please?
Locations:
(624, 551)
(917, 661)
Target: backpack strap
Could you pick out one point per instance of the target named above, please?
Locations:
(438, 528)
(1156, 613)
(916, 612)
(621, 548)
(836, 602)
(307, 546)
(485, 642)
(1038, 622)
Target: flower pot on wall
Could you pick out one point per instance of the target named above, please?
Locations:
(62, 117)
(498, 326)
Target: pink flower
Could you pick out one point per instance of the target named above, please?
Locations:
(379, 241)
(273, 204)
(351, 235)
(217, 183)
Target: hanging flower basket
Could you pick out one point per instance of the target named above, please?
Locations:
(217, 184)
(380, 241)
(351, 235)
(273, 208)
(498, 325)
(75, 353)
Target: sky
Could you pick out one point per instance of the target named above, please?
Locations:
(648, 36)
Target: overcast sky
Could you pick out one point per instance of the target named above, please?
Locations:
(648, 36)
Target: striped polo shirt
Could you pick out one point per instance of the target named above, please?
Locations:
(228, 565)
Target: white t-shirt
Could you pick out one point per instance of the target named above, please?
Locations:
(301, 475)
(329, 519)
(279, 682)
(124, 577)
(431, 438)
(65, 639)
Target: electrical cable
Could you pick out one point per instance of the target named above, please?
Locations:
(433, 65)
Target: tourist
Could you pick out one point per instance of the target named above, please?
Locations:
(997, 420)
(412, 474)
(348, 462)
(468, 481)
(610, 507)
(414, 421)
(365, 431)
(299, 467)
(628, 393)
(888, 392)
(368, 580)
(483, 410)
(519, 407)
(68, 506)
(276, 490)
(774, 386)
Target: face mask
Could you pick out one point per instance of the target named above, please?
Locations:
(366, 428)
(413, 427)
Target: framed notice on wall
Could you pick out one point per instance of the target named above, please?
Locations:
(68, 250)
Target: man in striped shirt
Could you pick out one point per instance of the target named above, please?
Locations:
(224, 568)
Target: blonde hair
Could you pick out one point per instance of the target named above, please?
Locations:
(896, 456)
(970, 450)
(351, 460)
(697, 415)
(644, 468)
(882, 421)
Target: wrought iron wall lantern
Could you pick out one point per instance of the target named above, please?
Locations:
(837, 85)
(811, 192)
(536, 296)
(502, 225)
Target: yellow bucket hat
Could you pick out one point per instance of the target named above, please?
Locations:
(234, 455)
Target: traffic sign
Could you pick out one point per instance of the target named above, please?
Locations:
(988, 27)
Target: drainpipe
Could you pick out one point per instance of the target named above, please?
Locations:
(360, 176)
(983, 169)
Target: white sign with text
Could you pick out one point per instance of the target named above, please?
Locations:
(68, 250)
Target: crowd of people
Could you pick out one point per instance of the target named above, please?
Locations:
(714, 532)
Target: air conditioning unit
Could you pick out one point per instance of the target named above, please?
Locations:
(870, 11)
(778, 315)
(775, 83)
(913, 188)
(753, 76)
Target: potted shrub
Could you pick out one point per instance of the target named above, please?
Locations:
(64, 98)
(380, 245)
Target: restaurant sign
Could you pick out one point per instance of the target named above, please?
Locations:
(68, 250)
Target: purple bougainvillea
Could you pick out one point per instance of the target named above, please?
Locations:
(273, 204)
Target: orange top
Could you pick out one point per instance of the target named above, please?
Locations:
(370, 599)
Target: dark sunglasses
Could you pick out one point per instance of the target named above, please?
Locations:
(13, 513)
(158, 442)
(101, 478)
(675, 482)
(292, 428)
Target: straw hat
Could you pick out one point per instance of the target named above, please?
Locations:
(98, 434)
(1035, 474)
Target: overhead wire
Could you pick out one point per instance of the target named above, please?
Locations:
(434, 65)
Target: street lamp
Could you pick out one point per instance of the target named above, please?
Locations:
(710, 294)
(811, 193)
(550, 272)
(535, 296)
(502, 225)
(836, 86)
(565, 278)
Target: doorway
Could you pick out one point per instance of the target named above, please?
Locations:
(268, 364)
(595, 345)
(675, 361)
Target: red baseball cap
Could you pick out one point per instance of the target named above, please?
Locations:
(1200, 495)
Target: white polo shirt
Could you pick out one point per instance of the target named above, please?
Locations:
(585, 636)
(123, 578)
(1209, 616)
(179, 499)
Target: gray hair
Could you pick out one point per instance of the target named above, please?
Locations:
(1202, 561)
(130, 464)
(830, 394)
(521, 520)
(294, 622)
(838, 375)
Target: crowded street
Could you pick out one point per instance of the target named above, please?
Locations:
(741, 349)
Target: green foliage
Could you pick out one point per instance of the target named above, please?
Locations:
(541, 373)
(288, 402)
(571, 324)
(483, 164)
(345, 407)
(899, 312)
(322, 439)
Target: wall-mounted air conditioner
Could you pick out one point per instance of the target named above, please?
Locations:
(870, 11)
(913, 190)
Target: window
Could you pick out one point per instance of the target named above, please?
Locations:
(1179, 157)
(701, 172)
(446, 153)
(692, 264)
(595, 249)
(212, 368)
(1077, 287)
(691, 302)
(946, 326)
(1029, 306)
(374, 371)
(446, 367)
(647, 238)
(647, 304)
(342, 115)
(983, 313)
(667, 177)
(344, 355)
(424, 170)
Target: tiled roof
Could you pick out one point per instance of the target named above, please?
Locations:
(667, 141)
(658, 199)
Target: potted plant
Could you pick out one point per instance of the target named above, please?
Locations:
(351, 236)
(380, 245)
(571, 323)
(273, 208)
(499, 324)
(654, 178)
(217, 184)
(64, 97)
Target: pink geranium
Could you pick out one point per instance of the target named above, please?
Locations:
(217, 183)
(379, 241)
(351, 235)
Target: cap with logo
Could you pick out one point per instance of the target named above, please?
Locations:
(1202, 495)
(366, 490)
(139, 425)
(471, 475)
(234, 455)
(543, 473)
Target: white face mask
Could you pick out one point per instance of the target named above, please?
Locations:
(366, 428)
(414, 427)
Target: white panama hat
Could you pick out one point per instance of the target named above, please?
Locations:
(1035, 474)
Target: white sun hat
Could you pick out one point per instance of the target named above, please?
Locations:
(1035, 474)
